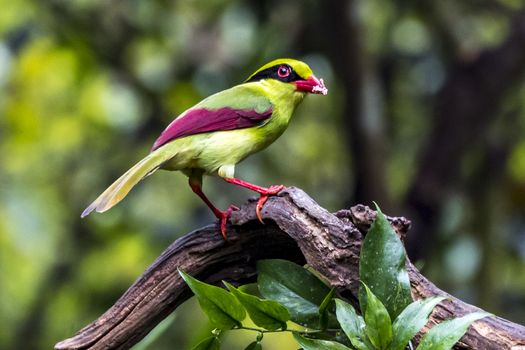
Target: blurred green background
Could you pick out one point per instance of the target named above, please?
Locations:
(425, 115)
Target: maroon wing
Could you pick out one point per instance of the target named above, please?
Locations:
(203, 120)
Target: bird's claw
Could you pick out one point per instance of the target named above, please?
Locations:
(224, 219)
(271, 191)
(260, 204)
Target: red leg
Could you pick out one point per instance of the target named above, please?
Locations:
(196, 186)
(265, 192)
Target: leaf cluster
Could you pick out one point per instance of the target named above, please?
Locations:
(388, 318)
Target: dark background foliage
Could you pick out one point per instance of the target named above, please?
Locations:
(425, 116)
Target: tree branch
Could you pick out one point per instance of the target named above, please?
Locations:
(297, 229)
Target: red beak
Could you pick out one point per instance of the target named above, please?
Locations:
(311, 85)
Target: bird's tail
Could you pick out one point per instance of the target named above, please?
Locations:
(120, 188)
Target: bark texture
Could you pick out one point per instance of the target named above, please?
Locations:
(296, 229)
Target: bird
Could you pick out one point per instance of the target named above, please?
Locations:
(213, 136)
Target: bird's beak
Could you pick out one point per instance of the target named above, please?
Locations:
(311, 85)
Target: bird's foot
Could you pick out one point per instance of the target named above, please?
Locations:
(265, 194)
(223, 218)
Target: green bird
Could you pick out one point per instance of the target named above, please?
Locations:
(220, 131)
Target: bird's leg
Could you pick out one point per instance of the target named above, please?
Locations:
(196, 186)
(265, 192)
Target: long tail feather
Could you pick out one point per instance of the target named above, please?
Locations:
(121, 187)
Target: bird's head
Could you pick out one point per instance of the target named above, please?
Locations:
(290, 71)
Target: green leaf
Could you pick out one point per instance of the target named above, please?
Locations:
(210, 343)
(378, 325)
(411, 320)
(221, 307)
(268, 314)
(326, 301)
(294, 287)
(324, 313)
(382, 267)
(353, 325)
(317, 344)
(444, 335)
(254, 346)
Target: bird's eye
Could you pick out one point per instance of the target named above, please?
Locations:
(283, 71)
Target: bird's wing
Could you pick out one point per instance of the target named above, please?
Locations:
(229, 110)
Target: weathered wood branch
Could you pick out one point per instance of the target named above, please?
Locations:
(297, 229)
